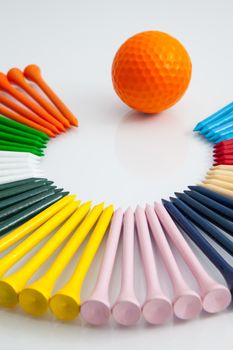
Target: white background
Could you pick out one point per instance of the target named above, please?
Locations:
(118, 155)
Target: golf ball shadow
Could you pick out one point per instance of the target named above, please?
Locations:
(151, 146)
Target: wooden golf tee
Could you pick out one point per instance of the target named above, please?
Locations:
(24, 195)
(34, 298)
(224, 167)
(126, 310)
(65, 304)
(12, 172)
(215, 297)
(220, 190)
(207, 219)
(213, 195)
(19, 118)
(12, 130)
(15, 282)
(16, 187)
(22, 176)
(17, 155)
(25, 204)
(15, 76)
(187, 303)
(219, 183)
(212, 118)
(211, 204)
(216, 172)
(33, 73)
(198, 238)
(26, 113)
(33, 106)
(18, 166)
(157, 308)
(220, 178)
(7, 295)
(96, 310)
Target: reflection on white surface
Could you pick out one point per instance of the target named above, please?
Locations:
(145, 145)
(149, 157)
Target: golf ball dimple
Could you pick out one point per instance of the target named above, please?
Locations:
(151, 71)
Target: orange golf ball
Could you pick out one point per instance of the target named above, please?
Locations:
(151, 71)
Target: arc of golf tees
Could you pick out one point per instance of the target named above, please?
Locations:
(20, 186)
(14, 159)
(37, 236)
(25, 229)
(96, 310)
(33, 73)
(19, 171)
(219, 183)
(15, 76)
(217, 197)
(15, 172)
(19, 118)
(207, 219)
(25, 195)
(20, 162)
(18, 165)
(187, 303)
(14, 283)
(157, 308)
(212, 254)
(221, 152)
(126, 310)
(211, 204)
(19, 126)
(34, 298)
(219, 172)
(215, 296)
(26, 113)
(24, 176)
(224, 176)
(223, 167)
(225, 159)
(33, 106)
(220, 190)
(215, 126)
(37, 141)
(18, 155)
(223, 155)
(212, 118)
(65, 304)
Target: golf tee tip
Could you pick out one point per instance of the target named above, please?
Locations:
(74, 122)
(197, 128)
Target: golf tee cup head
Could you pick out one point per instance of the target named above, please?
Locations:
(188, 305)
(126, 312)
(95, 312)
(64, 307)
(217, 299)
(157, 310)
(8, 295)
(33, 301)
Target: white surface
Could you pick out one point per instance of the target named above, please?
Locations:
(117, 155)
